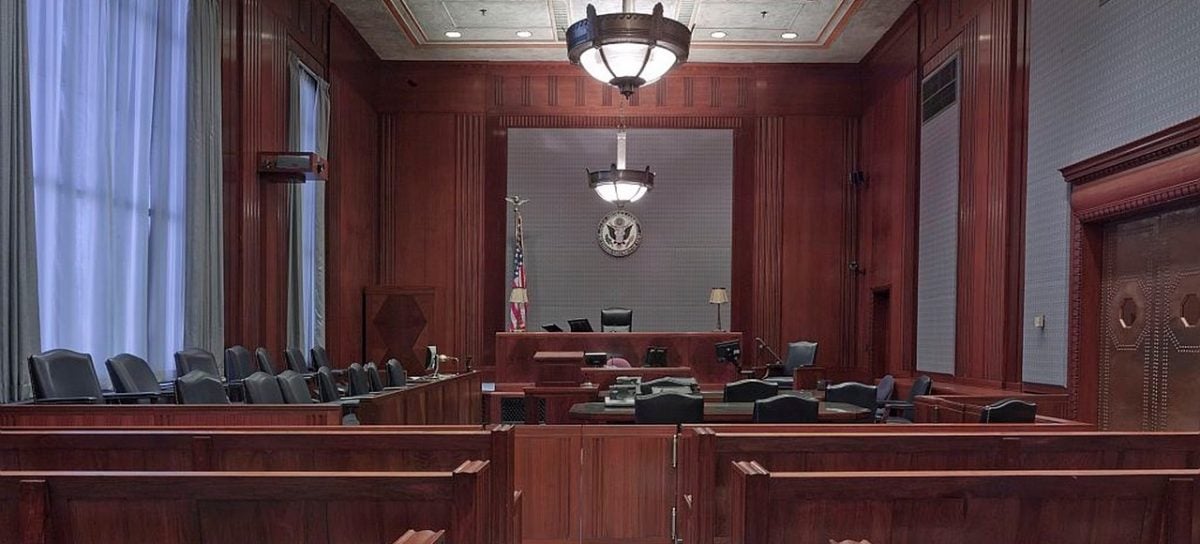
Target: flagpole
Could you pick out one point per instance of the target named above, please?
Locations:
(518, 306)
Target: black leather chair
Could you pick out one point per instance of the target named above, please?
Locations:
(64, 376)
(858, 394)
(295, 361)
(262, 388)
(799, 354)
(239, 364)
(320, 358)
(668, 408)
(264, 361)
(374, 382)
(327, 389)
(655, 357)
(749, 391)
(670, 384)
(923, 385)
(199, 387)
(786, 409)
(196, 359)
(356, 377)
(1009, 411)
(616, 320)
(883, 394)
(397, 376)
(294, 387)
(132, 374)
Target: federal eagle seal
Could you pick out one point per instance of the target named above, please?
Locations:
(620, 233)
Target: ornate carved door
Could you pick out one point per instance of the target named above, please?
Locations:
(1150, 326)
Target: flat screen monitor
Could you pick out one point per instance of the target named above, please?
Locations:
(551, 327)
(580, 325)
(595, 358)
(729, 351)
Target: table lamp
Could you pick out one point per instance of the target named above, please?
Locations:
(718, 296)
(519, 295)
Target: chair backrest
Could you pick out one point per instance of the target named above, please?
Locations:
(579, 325)
(374, 383)
(800, 354)
(664, 408)
(656, 356)
(670, 383)
(62, 373)
(616, 320)
(786, 409)
(397, 376)
(749, 391)
(320, 358)
(858, 394)
(883, 389)
(131, 374)
(327, 389)
(262, 388)
(196, 359)
(199, 387)
(294, 357)
(923, 385)
(356, 377)
(264, 361)
(294, 387)
(1009, 411)
(239, 363)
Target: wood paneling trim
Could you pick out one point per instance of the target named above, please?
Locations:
(768, 219)
(1160, 145)
(470, 159)
(612, 121)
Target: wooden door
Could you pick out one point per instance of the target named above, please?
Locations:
(1150, 323)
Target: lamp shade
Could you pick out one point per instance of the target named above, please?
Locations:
(718, 295)
(519, 295)
(628, 50)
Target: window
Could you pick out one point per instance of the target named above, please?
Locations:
(306, 276)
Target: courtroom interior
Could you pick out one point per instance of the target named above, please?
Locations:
(599, 271)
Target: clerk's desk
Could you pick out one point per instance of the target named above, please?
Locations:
(694, 350)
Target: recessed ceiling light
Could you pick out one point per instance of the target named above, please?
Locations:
(789, 35)
(453, 34)
(524, 34)
(719, 34)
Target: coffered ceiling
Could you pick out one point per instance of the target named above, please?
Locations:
(532, 30)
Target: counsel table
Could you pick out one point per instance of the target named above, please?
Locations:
(717, 412)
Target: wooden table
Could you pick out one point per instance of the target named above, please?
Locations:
(604, 376)
(454, 400)
(717, 412)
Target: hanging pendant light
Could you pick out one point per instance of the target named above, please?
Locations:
(628, 50)
(617, 184)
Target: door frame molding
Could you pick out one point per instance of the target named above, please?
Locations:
(1157, 172)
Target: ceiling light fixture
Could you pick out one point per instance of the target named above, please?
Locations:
(617, 184)
(524, 34)
(719, 34)
(789, 35)
(628, 50)
(453, 34)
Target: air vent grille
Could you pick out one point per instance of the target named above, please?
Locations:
(940, 90)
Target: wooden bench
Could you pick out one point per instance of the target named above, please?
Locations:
(1002, 507)
(704, 486)
(229, 507)
(289, 450)
(168, 415)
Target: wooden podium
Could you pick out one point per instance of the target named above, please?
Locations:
(558, 383)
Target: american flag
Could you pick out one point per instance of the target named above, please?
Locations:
(516, 310)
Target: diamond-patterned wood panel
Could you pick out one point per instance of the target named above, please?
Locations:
(1150, 331)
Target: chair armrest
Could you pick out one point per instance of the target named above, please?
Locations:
(67, 400)
(115, 397)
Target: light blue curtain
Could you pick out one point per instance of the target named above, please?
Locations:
(308, 130)
(109, 89)
(18, 254)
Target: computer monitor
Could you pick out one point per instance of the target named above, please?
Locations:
(595, 358)
(580, 325)
(729, 351)
(551, 327)
(655, 357)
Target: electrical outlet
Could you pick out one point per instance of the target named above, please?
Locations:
(1039, 321)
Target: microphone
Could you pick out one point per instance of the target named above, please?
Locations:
(762, 344)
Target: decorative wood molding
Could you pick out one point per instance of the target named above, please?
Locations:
(611, 121)
(1157, 146)
(768, 218)
(469, 179)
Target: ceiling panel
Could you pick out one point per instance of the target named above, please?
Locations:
(827, 30)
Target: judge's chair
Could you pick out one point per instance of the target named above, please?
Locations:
(616, 320)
